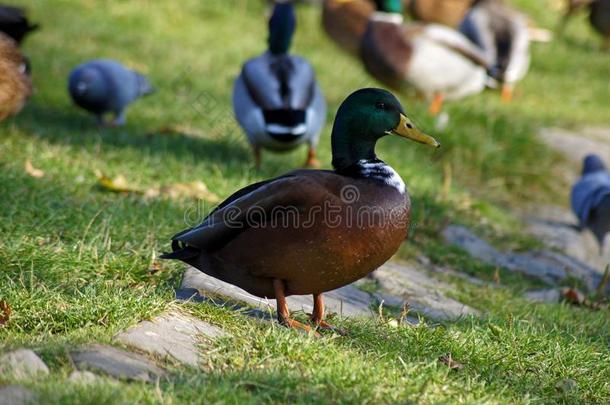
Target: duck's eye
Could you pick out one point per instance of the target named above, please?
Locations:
(380, 106)
(409, 125)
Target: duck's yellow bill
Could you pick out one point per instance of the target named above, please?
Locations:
(406, 129)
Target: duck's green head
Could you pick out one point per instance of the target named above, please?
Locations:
(389, 6)
(281, 28)
(362, 119)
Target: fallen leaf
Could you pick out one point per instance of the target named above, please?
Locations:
(496, 330)
(450, 362)
(5, 312)
(32, 171)
(573, 296)
(117, 185)
(155, 267)
(194, 189)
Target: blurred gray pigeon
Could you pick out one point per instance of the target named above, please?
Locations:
(591, 198)
(105, 86)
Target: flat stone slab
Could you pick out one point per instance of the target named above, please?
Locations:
(399, 284)
(576, 144)
(83, 377)
(548, 266)
(22, 363)
(423, 293)
(172, 334)
(557, 228)
(345, 301)
(547, 295)
(117, 363)
(16, 395)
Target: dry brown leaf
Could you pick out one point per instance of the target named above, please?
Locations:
(32, 171)
(155, 267)
(573, 296)
(5, 312)
(450, 362)
(194, 189)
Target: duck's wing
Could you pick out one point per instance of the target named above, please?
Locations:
(454, 40)
(279, 82)
(252, 206)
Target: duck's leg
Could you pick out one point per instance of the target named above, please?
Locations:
(311, 158)
(317, 317)
(436, 105)
(507, 92)
(283, 314)
(257, 157)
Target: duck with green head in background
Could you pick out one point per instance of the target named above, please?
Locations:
(311, 231)
(276, 98)
(437, 61)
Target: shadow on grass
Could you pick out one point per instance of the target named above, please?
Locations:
(72, 127)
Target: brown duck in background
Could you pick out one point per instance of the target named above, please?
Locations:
(599, 16)
(311, 231)
(345, 21)
(15, 80)
(446, 12)
(437, 61)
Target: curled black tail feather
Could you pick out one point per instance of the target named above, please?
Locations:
(181, 252)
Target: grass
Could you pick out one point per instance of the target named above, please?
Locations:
(75, 259)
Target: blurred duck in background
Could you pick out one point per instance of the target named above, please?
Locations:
(15, 80)
(104, 87)
(502, 34)
(345, 22)
(276, 98)
(446, 12)
(14, 23)
(591, 198)
(439, 62)
(599, 16)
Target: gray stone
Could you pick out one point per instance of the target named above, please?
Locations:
(575, 145)
(16, 395)
(117, 363)
(549, 295)
(84, 377)
(548, 266)
(22, 363)
(423, 293)
(557, 228)
(346, 301)
(172, 334)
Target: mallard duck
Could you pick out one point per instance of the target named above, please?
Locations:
(276, 98)
(591, 198)
(599, 16)
(14, 23)
(105, 86)
(15, 80)
(345, 21)
(437, 61)
(446, 12)
(502, 34)
(311, 231)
